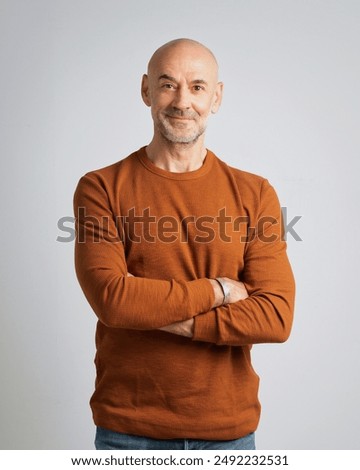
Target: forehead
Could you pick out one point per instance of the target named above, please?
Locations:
(187, 61)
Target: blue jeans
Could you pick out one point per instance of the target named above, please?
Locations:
(111, 440)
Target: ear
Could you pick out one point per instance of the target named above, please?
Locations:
(145, 90)
(217, 97)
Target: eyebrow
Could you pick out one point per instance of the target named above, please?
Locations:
(164, 76)
(167, 77)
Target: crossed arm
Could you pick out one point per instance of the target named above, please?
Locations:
(237, 291)
(259, 309)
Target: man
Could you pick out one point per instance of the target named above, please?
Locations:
(182, 260)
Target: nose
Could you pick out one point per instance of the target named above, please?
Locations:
(182, 99)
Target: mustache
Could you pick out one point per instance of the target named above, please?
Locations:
(178, 113)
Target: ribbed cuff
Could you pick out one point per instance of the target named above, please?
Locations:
(201, 294)
(205, 327)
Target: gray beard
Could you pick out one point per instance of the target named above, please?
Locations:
(172, 137)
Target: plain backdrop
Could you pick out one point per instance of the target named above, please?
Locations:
(70, 103)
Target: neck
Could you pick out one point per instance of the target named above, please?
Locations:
(175, 157)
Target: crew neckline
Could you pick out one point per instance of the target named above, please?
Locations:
(186, 175)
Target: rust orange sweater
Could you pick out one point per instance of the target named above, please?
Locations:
(174, 231)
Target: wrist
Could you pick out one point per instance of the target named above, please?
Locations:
(218, 293)
(225, 288)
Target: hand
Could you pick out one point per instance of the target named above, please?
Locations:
(182, 328)
(237, 291)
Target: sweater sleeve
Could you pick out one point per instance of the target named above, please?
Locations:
(266, 315)
(120, 301)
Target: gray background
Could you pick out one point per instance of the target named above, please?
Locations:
(70, 103)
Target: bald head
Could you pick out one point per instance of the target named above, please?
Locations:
(182, 89)
(177, 48)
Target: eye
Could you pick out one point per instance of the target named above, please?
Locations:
(198, 88)
(167, 85)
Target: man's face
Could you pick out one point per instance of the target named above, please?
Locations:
(182, 89)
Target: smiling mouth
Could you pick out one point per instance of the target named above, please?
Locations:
(179, 118)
